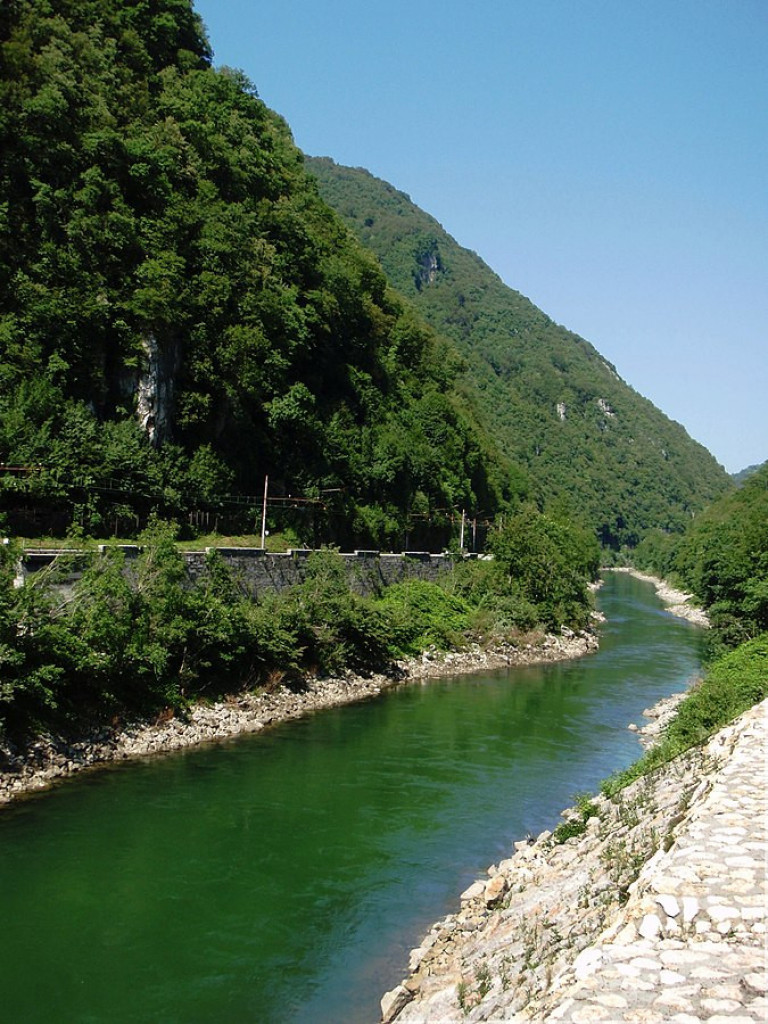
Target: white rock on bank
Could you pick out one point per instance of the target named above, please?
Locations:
(393, 1002)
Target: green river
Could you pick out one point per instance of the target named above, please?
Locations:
(283, 877)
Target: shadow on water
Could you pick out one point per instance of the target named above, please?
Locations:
(284, 877)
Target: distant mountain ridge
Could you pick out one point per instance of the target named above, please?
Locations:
(552, 403)
(747, 472)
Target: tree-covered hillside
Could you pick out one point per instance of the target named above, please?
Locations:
(746, 473)
(723, 559)
(549, 399)
(181, 314)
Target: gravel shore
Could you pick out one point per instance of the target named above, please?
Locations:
(52, 759)
(678, 601)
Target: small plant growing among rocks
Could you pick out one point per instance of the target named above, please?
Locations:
(506, 981)
(483, 979)
(576, 825)
(462, 990)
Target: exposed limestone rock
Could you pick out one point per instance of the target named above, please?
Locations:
(393, 1002)
(154, 391)
(474, 890)
(658, 718)
(605, 408)
(429, 265)
(495, 889)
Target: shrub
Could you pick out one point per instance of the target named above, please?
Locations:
(421, 614)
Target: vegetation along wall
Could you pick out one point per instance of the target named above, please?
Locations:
(258, 571)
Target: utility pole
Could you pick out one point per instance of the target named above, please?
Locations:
(461, 535)
(264, 514)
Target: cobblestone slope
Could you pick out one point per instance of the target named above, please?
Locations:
(654, 911)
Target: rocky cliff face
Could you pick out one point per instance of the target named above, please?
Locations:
(155, 390)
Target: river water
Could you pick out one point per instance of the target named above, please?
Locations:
(282, 878)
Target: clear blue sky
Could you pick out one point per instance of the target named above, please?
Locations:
(608, 158)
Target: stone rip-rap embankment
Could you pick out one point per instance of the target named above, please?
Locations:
(655, 914)
(51, 759)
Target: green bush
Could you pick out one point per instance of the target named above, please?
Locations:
(498, 606)
(576, 826)
(421, 614)
(135, 637)
(548, 561)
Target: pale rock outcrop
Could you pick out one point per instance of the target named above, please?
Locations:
(155, 389)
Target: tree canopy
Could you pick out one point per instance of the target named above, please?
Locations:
(181, 314)
(723, 559)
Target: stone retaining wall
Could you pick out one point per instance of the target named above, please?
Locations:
(259, 570)
(367, 571)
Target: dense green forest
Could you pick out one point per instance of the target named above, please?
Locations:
(181, 315)
(723, 560)
(549, 399)
(746, 473)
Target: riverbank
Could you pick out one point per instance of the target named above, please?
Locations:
(544, 904)
(678, 601)
(653, 910)
(50, 759)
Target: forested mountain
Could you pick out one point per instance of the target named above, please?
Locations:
(746, 473)
(549, 399)
(181, 314)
